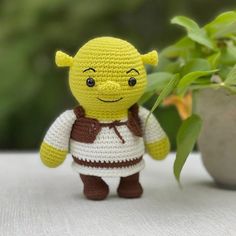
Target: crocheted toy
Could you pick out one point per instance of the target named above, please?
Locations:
(106, 133)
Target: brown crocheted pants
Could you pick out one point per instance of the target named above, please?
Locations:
(95, 188)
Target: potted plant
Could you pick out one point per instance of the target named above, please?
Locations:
(198, 75)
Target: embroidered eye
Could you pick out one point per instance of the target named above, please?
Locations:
(132, 81)
(90, 82)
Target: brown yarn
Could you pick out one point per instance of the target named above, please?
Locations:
(134, 123)
(130, 187)
(100, 164)
(113, 125)
(86, 129)
(95, 188)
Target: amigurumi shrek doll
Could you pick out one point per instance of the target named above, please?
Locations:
(106, 134)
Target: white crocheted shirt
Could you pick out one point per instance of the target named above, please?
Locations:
(107, 147)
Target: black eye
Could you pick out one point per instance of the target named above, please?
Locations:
(90, 82)
(132, 81)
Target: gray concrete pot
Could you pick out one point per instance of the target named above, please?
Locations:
(217, 141)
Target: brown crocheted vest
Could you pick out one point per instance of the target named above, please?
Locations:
(86, 129)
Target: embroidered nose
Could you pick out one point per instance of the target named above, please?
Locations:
(109, 87)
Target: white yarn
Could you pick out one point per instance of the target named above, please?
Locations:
(58, 134)
(153, 131)
(107, 147)
(108, 172)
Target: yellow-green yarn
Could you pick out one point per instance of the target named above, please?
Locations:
(63, 60)
(111, 58)
(158, 150)
(51, 156)
(150, 58)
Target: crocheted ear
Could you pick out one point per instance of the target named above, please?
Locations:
(150, 58)
(63, 60)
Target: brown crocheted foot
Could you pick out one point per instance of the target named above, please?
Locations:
(130, 187)
(95, 187)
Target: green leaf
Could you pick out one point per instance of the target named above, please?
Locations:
(185, 22)
(164, 93)
(180, 48)
(186, 81)
(157, 81)
(205, 86)
(231, 77)
(226, 31)
(194, 31)
(170, 66)
(196, 64)
(222, 19)
(145, 97)
(222, 25)
(186, 139)
(214, 60)
(228, 55)
(233, 37)
(224, 71)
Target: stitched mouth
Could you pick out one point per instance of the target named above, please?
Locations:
(117, 100)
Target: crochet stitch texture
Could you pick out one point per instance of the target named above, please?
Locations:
(108, 138)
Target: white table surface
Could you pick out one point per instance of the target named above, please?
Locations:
(35, 200)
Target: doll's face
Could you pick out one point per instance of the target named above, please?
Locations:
(107, 74)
